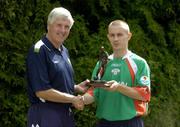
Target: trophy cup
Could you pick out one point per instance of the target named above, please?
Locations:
(103, 60)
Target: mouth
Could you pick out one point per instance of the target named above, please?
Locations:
(115, 44)
(59, 34)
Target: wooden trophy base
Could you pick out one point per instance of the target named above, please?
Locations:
(97, 83)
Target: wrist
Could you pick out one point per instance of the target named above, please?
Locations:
(118, 88)
(83, 99)
(73, 99)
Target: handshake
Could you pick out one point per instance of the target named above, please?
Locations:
(78, 102)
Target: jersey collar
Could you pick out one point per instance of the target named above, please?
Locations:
(128, 54)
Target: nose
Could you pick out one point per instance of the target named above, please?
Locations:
(62, 29)
(115, 38)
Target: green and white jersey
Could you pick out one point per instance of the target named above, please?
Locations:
(114, 105)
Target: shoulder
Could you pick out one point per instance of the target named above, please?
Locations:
(137, 59)
(38, 50)
(64, 48)
(39, 47)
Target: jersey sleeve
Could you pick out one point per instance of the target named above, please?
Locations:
(143, 74)
(144, 92)
(37, 70)
(143, 81)
(90, 91)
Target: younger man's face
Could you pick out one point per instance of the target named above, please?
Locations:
(118, 37)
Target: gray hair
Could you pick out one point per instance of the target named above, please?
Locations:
(62, 13)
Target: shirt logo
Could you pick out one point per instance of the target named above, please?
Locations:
(116, 65)
(56, 61)
(115, 71)
(34, 126)
(144, 80)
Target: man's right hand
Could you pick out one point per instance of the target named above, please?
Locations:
(82, 87)
(78, 102)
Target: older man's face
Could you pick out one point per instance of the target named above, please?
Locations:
(58, 31)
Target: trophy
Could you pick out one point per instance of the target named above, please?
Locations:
(103, 60)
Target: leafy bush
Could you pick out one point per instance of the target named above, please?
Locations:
(156, 37)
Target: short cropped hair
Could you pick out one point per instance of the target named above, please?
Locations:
(122, 23)
(60, 12)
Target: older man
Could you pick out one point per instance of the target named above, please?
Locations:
(50, 76)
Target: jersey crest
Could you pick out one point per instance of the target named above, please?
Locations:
(115, 71)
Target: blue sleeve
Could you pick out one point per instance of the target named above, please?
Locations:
(37, 72)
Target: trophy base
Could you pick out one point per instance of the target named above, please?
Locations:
(98, 83)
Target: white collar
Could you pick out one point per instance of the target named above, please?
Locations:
(129, 53)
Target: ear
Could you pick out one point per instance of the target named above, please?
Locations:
(47, 27)
(108, 36)
(129, 35)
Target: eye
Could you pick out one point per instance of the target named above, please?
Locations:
(59, 25)
(112, 35)
(67, 27)
(119, 34)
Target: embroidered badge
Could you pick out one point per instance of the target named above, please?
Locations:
(115, 71)
(144, 80)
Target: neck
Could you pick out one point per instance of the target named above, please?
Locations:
(120, 53)
(56, 45)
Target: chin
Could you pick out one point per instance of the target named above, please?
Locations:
(116, 48)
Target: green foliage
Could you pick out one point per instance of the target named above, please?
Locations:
(87, 117)
(174, 38)
(155, 26)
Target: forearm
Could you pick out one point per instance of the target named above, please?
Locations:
(88, 99)
(55, 96)
(130, 92)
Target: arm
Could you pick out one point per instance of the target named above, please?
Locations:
(60, 97)
(131, 92)
(141, 93)
(88, 97)
(82, 87)
(55, 96)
